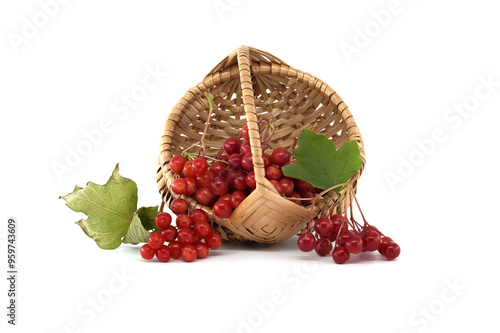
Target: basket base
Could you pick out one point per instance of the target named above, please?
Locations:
(266, 217)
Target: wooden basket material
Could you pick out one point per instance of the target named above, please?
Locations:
(248, 85)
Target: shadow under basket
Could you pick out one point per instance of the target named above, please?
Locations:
(246, 86)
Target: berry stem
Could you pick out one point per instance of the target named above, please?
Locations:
(359, 207)
(356, 226)
(330, 212)
(211, 106)
(215, 159)
(201, 142)
(318, 196)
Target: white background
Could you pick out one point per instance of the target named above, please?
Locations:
(401, 86)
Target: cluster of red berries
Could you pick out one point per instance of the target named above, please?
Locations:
(347, 241)
(229, 178)
(185, 241)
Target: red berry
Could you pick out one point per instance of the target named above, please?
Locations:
(232, 145)
(236, 198)
(222, 209)
(218, 168)
(317, 190)
(305, 195)
(277, 186)
(188, 169)
(371, 240)
(337, 218)
(344, 236)
(268, 160)
(239, 180)
(234, 161)
(287, 185)
(169, 234)
(201, 250)
(247, 162)
(340, 255)
(280, 156)
(338, 222)
(306, 242)
(205, 196)
(332, 237)
(175, 249)
(301, 185)
(147, 252)
(391, 251)
(185, 236)
(323, 247)
(183, 221)
(224, 158)
(202, 228)
(191, 186)
(176, 164)
(200, 165)
(198, 215)
(244, 132)
(273, 172)
(163, 253)
(296, 195)
(226, 197)
(163, 220)
(383, 242)
(250, 179)
(245, 148)
(196, 239)
(155, 240)
(219, 185)
(205, 179)
(179, 186)
(323, 226)
(354, 244)
(213, 240)
(188, 252)
(371, 227)
(230, 175)
(179, 206)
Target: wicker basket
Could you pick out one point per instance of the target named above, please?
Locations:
(246, 85)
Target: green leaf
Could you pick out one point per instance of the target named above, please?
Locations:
(109, 208)
(319, 163)
(136, 232)
(147, 216)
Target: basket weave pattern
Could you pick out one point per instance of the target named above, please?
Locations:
(246, 86)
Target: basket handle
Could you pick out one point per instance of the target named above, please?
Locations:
(244, 65)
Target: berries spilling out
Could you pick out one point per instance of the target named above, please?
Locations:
(349, 237)
(191, 238)
(224, 180)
